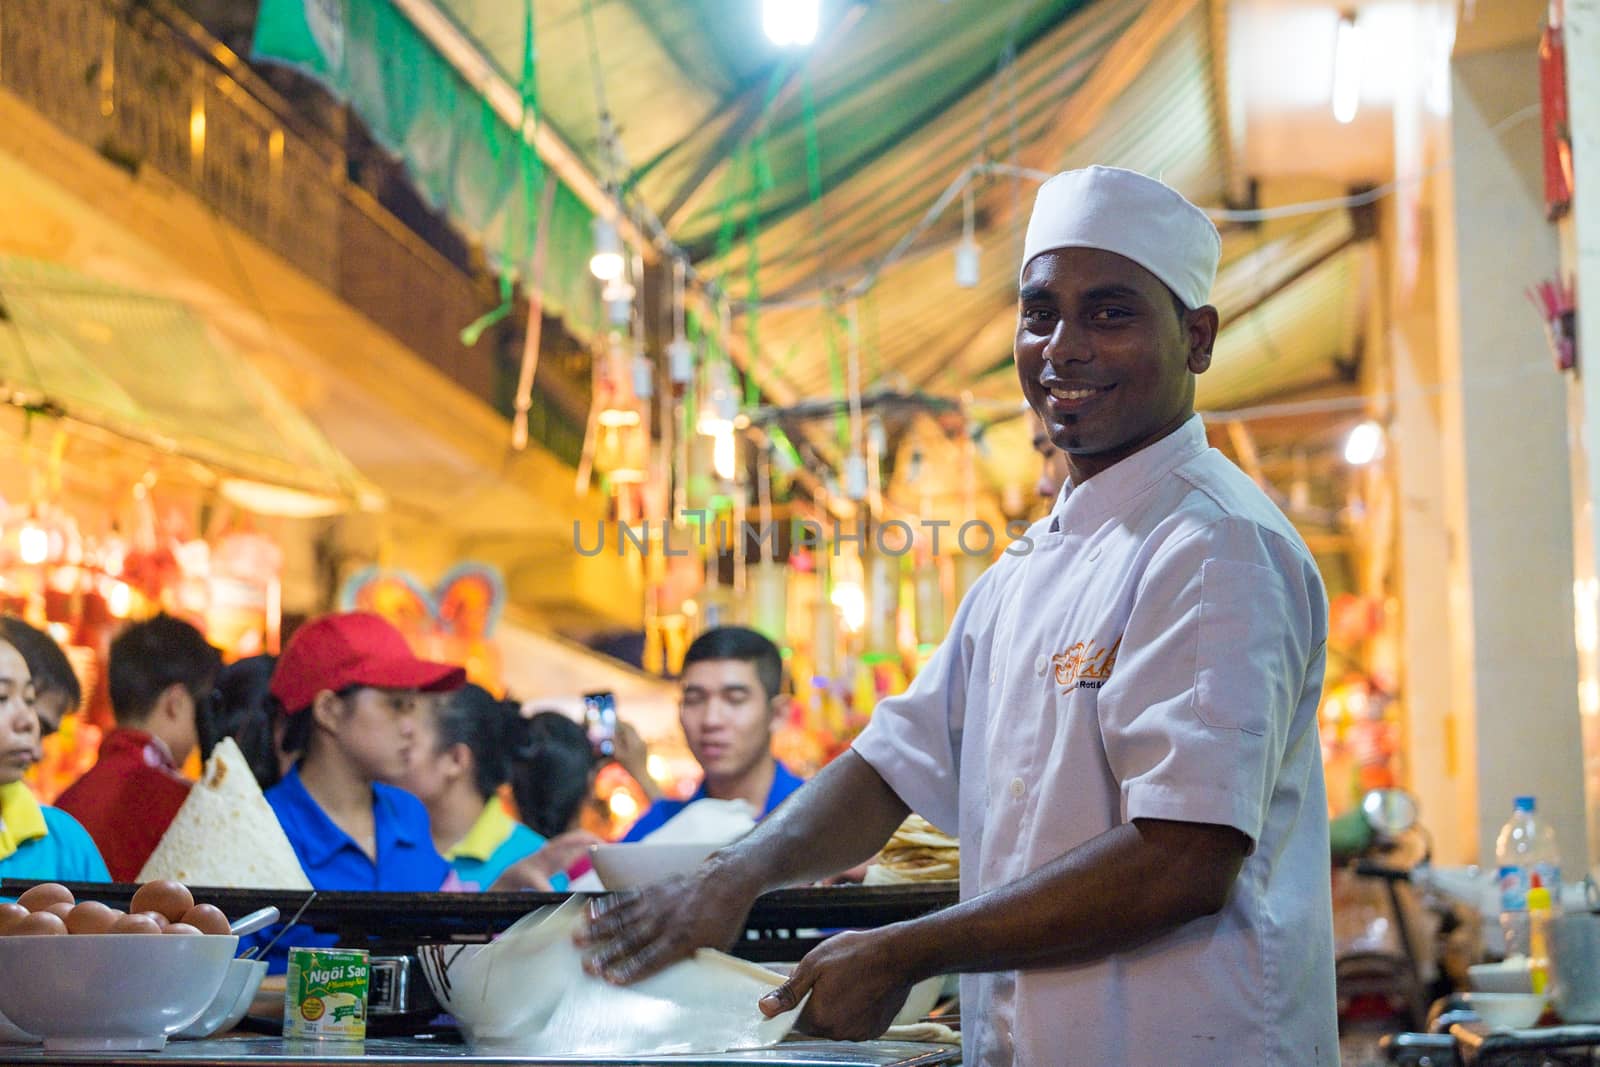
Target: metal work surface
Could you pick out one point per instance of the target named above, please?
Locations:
(230, 1052)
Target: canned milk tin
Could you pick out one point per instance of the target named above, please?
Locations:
(326, 994)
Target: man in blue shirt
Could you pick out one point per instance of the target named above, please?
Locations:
(732, 697)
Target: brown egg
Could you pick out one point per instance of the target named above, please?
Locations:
(154, 916)
(207, 918)
(91, 917)
(135, 924)
(40, 922)
(61, 909)
(181, 928)
(169, 898)
(45, 894)
(10, 913)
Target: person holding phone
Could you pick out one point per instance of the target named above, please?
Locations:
(730, 699)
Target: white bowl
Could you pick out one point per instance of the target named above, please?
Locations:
(1514, 975)
(1507, 1011)
(232, 1001)
(626, 866)
(110, 992)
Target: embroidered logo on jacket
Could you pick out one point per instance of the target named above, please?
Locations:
(1086, 665)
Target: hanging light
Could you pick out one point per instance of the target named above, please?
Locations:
(968, 254)
(1347, 68)
(718, 401)
(1364, 444)
(851, 602)
(606, 263)
(725, 454)
(855, 478)
(680, 354)
(644, 374)
(33, 544)
(789, 22)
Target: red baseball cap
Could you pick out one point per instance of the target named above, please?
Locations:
(355, 648)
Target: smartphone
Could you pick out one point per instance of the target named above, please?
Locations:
(600, 722)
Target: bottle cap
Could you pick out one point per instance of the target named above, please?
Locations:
(1523, 804)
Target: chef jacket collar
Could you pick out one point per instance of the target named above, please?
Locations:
(1105, 494)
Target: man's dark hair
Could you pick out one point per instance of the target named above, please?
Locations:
(549, 769)
(150, 657)
(737, 642)
(52, 671)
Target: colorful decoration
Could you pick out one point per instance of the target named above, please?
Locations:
(455, 622)
(1558, 307)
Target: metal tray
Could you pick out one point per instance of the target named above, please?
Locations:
(232, 1052)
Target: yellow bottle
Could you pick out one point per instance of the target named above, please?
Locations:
(1538, 926)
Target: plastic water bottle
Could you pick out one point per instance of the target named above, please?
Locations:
(1525, 846)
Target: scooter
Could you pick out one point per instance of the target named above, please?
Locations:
(1384, 964)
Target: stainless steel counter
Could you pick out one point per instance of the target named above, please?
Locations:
(249, 1051)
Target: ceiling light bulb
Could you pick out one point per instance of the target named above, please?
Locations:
(789, 22)
(1364, 444)
(606, 263)
(644, 375)
(1347, 69)
(33, 544)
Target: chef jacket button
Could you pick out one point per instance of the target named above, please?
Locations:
(1018, 787)
(1041, 664)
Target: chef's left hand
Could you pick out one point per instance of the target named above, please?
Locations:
(857, 987)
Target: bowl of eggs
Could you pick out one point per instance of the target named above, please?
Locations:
(100, 979)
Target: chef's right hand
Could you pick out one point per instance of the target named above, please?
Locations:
(633, 934)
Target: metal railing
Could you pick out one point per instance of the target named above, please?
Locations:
(146, 87)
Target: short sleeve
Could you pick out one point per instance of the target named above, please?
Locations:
(914, 739)
(1209, 674)
(80, 858)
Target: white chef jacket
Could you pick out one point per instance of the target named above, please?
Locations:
(1154, 648)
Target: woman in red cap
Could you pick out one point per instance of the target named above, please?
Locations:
(347, 684)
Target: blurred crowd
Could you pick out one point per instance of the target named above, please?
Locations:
(385, 771)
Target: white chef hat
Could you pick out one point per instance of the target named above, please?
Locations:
(1134, 216)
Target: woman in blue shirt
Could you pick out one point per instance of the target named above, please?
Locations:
(36, 841)
(458, 764)
(347, 685)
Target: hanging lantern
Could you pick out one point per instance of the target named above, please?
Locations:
(644, 374)
(968, 568)
(883, 604)
(929, 594)
(769, 596)
(719, 402)
(680, 362)
(825, 640)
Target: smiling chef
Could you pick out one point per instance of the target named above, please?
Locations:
(1121, 725)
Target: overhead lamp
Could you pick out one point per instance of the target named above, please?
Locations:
(606, 263)
(789, 22)
(855, 478)
(1364, 444)
(1347, 68)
